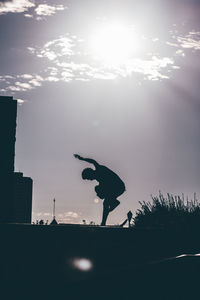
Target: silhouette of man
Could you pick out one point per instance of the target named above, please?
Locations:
(110, 185)
(129, 217)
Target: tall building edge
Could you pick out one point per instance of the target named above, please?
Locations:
(8, 117)
(22, 198)
(15, 189)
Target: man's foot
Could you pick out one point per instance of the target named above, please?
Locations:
(113, 205)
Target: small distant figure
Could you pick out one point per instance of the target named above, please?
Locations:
(110, 185)
(129, 218)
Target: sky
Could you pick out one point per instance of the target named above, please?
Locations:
(116, 81)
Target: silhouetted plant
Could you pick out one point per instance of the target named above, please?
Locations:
(167, 212)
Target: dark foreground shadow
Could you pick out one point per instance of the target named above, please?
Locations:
(80, 262)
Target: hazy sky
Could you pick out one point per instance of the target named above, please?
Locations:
(117, 81)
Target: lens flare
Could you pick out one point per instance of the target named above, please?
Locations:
(82, 264)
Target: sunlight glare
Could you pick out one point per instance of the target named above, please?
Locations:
(113, 43)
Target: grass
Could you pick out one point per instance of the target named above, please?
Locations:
(168, 212)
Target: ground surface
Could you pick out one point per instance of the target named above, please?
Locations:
(38, 262)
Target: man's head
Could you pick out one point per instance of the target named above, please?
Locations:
(89, 174)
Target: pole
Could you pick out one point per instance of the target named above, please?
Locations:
(54, 208)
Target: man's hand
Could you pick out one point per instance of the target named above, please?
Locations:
(77, 156)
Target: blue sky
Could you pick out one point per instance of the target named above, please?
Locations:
(117, 81)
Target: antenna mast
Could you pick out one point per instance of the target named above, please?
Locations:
(54, 208)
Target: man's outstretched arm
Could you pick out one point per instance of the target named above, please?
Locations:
(89, 160)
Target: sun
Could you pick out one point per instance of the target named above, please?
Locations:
(113, 43)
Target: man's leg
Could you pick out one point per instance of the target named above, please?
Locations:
(105, 212)
(113, 204)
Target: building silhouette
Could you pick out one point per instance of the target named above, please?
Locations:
(8, 115)
(15, 190)
(22, 198)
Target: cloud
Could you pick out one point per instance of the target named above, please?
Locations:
(51, 79)
(21, 83)
(13, 88)
(6, 77)
(22, 6)
(71, 214)
(68, 58)
(20, 101)
(28, 15)
(69, 61)
(61, 47)
(15, 6)
(25, 76)
(180, 52)
(48, 10)
(190, 41)
(47, 214)
(152, 68)
(31, 49)
(103, 75)
(35, 82)
(187, 41)
(69, 217)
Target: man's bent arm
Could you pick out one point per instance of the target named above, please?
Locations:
(89, 160)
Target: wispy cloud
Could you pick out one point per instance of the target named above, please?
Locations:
(67, 55)
(61, 47)
(69, 58)
(190, 41)
(28, 16)
(185, 41)
(151, 68)
(48, 10)
(15, 6)
(21, 83)
(20, 101)
(69, 217)
(25, 76)
(25, 6)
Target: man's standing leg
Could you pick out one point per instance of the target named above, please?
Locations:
(105, 212)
